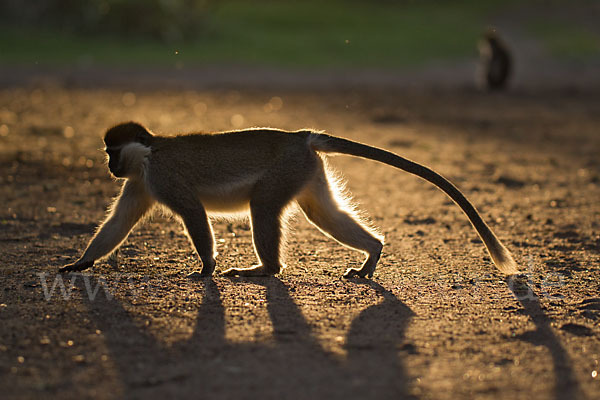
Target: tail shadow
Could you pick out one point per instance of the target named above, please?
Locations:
(567, 386)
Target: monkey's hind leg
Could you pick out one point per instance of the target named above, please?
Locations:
(266, 235)
(321, 208)
(269, 199)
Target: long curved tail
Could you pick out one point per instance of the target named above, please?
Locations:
(331, 144)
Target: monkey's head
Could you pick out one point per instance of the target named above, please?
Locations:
(493, 38)
(127, 145)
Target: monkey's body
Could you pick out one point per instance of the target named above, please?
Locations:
(260, 171)
(495, 62)
(240, 165)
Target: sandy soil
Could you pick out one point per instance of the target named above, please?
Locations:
(437, 321)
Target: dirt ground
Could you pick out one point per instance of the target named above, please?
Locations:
(437, 321)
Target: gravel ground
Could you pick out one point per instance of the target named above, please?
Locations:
(436, 321)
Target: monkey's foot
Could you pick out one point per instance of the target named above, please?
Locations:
(367, 269)
(194, 275)
(208, 267)
(258, 270)
(358, 273)
(199, 275)
(77, 266)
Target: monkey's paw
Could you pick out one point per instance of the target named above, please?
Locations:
(258, 270)
(199, 275)
(358, 273)
(77, 266)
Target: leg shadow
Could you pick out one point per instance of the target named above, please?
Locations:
(566, 386)
(373, 345)
(141, 361)
(372, 368)
(289, 325)
(297, 355)
(210, 322)
(293, 365)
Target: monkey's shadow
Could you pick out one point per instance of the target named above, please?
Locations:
(295, 365)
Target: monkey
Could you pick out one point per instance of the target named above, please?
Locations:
(259, 171)
(495, 62)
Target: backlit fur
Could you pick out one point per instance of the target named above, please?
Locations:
(262, 172)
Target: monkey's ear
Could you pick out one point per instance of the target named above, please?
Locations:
(144, 137)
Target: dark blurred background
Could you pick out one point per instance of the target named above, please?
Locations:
(371, 41)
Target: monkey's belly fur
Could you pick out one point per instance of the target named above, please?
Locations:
(231, 196)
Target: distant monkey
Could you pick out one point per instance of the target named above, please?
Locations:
(261, 171)
(495, 64)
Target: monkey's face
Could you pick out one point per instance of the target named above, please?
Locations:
(114, 164)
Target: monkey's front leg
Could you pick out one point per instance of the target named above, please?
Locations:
(79, 265)
(200, 231)
(131, 205)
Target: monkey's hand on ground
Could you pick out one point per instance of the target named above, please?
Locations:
(76, 266)
(258, 270)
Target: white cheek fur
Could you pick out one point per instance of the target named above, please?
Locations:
(133, 157)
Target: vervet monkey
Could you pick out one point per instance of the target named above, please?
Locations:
(495, 63)
(258, 170)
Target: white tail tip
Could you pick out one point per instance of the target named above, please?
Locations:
(504, 261)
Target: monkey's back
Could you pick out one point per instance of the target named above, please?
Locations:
(223, 168)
